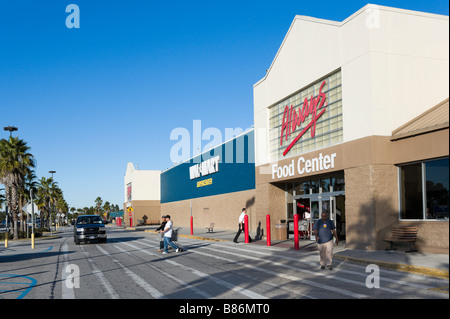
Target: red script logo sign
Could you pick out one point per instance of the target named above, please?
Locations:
(293, 119)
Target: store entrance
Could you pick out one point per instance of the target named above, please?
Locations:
(308, 197)
(310, 207)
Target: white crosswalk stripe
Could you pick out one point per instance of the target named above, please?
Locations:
(102, 279)
(224, 270)
(138, 279)
(243, 291)
(174, 278)
(309, 272)
(281, 275)
(304, 260)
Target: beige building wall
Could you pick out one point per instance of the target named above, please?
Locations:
(147, 210)
(145, 195)
(223, 210)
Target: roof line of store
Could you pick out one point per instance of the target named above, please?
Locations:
(340, 24)
(244, 132)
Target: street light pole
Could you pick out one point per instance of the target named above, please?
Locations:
(32, 219)
(51, 233)
(10, 129)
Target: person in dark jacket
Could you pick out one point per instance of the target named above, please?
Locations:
(161, 227)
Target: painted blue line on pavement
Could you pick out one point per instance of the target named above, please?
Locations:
(50, 248)
(30, 284)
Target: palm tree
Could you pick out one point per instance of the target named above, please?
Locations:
(47, 193)
(72, 212)
(98, 202)
(61, 206)
(30, 184)
(107, 209)
(15, 161)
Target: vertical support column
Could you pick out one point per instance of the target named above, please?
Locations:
(246, 228)
(296, 244)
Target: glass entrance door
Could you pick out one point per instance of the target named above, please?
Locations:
(315, 215)
(317, 204)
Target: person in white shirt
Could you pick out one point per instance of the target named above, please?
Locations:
(168, 235)
(241, 226)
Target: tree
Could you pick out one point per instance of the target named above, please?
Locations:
(15, 161)
(48, 193)
(62, 208)
(98, 203)
(30, 184)
(107, 209)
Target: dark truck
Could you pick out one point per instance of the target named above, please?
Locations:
(89, 228)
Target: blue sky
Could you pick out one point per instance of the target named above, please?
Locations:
(89, 100)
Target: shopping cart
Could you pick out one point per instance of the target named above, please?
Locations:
(174, 239)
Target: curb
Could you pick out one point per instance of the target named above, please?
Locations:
(425, 271)
(201, 238)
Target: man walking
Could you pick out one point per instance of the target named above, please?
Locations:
(159, 229)
(241, 226)
(168, 236)
(324, 230)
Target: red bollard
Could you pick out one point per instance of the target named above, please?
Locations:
(246, 228)
(131, 221)
(192, 225)
(296, 245)
(269, 242)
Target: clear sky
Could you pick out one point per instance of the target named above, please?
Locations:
(91, 99)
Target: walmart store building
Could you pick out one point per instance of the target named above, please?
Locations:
(351, 118)
(213, 186)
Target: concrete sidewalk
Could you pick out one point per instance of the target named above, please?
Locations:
(435, 265)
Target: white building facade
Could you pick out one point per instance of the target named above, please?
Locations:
(326, 116)
(142, 194)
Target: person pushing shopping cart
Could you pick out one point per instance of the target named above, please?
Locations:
(169, 234)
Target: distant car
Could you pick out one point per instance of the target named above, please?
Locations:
(89, 228)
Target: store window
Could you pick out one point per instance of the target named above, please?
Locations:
(338, 182)
(424, 190)
(324, 184)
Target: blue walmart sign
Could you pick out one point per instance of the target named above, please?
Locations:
(227, 168)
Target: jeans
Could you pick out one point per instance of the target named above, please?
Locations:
(168, 241)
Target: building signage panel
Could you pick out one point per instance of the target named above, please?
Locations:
(310, 119)
(303, 166)
(205, 168)
(311, 111)
(200, 176)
